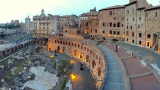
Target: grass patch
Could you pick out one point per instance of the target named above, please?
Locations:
(5, 62)
(65, 63)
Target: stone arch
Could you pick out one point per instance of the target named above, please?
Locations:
(58, 48)
(75, 52)
(87, 58)
(99, 71)
(64, 42)
(93, 64)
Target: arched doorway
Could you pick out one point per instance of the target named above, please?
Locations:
(75, 52)
(87, 58)
(99, 71)
(58, 49)
(93, 64)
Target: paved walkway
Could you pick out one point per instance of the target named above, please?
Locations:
(114, 80)
(148, 55)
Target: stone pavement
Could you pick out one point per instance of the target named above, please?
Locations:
(145, 53)
(114, 79)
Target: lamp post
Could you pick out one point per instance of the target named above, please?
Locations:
(116, 49)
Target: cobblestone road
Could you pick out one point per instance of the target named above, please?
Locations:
(145, 53)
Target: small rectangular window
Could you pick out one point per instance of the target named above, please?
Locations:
(148, 36)
(110, 32)
(140, 35)
(118, 33)
(127, 33)
(114, 32)
(103, 24)
(132, 34)
(156, 14)
(146, 14)
(103, 31)
(140, 42)
(140, 18)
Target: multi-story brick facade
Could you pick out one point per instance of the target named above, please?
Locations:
(111, 22)
(153, 28)
(136, 22)
(89, 23)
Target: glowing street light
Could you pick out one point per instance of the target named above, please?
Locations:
(73, 76)
(51, 56)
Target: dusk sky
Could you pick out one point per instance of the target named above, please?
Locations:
(20, 9)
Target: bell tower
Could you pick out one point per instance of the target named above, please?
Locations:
(42, 12)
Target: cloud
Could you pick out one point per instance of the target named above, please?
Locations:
(20, 9)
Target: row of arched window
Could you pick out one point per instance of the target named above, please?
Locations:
(75, 45)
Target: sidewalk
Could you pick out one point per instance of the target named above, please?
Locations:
(141, 78)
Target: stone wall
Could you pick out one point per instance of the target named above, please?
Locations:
(10, 50)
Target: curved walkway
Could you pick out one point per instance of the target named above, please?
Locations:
(114, 79)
